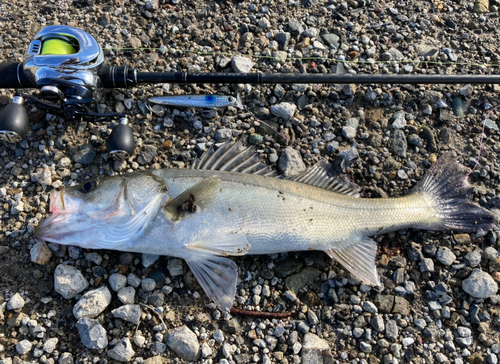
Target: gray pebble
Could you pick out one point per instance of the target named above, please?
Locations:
(445, 256)
(126, 295)
(133, 280)
(473, 258)
(69, 281)
(241, 64)
(50, 345)
(480, 284)
(490, 253)
(117, 281)
(397, 144)
(148, 284)
(15, 302)
(175, 267)
(219, 336)
(427, 265)
(348, 132)
(290, 162)
(65, 358)
(85, 155)
(23, 347)
(184, 343)
(122, 351)
(284, 110)
(130, 313)
(391, 330)
(92, 334)
(149, 259)
(223, 134)
(315, 350)
(349, 154)
(92, 303)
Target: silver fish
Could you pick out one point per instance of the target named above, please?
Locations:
(229, 204)
(203, 101)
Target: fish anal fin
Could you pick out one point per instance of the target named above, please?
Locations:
(323, 175)
(217, 276)
(195, 198)
(235, 245)
(358, 257)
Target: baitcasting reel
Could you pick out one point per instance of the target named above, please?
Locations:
(64, 62)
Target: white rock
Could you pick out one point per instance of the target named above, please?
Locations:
(15, 302)
(117, 281)
(284, 110)
(23, 347)
(241, 64)
(122, 351)
(445, 256)
(130, 313)
(69, 281)
(126, 295)
(50, 345)
(92, 303)
(480, 284)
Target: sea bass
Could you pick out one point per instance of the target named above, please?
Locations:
(230, 203)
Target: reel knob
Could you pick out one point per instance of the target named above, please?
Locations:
(121, 142)
(14, 122)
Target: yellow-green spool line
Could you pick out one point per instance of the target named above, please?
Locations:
(57, 46)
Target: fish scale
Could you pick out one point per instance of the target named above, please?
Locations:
(231, 204)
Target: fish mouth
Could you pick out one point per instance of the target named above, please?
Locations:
(56, 227)
(52, 229)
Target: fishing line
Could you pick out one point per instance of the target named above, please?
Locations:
(481, 140)
(57, 46)
(356, 61)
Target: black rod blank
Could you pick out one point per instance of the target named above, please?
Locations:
(261, 78)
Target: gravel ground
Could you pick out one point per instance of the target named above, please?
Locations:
(438, 302)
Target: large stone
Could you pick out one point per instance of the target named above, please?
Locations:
(69, 281)
(184, 343)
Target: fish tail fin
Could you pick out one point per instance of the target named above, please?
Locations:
(446, 184)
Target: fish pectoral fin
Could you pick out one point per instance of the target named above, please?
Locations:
(359, 259)
(230, 245)
(194, 199)
(217, 276)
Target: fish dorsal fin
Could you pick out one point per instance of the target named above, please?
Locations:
(323, 175)
(233, 157)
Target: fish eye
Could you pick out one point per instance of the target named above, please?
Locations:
(231, 99)
(89, 185)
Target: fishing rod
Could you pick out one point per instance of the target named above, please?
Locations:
(67, 66)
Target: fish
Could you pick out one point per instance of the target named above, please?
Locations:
(230, 204)
(203, 101)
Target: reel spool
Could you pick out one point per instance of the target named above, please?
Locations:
(65, 58)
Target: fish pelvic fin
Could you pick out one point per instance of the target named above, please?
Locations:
(358, 257)
(216, 274)
(445, 185)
